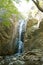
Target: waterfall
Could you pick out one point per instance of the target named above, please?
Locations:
(21, 26)
(21, 31)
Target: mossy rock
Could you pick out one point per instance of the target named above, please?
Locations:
(6, 31)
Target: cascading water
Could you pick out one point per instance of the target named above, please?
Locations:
(21, 31)
(21, 46)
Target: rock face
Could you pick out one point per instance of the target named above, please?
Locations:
(29, 58)
(34, 38)
(7, 36)
(33, 44)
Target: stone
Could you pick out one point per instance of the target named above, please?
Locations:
(8, 33)
(34, 39)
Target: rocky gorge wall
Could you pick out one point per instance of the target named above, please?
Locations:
(33, 43)
(8, 33)
(33, 38)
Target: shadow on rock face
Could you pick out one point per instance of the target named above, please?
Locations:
(34, 39)
(6, 37)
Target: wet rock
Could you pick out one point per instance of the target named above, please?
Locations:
(1, 58)
(33, 58)
(11, 60)
(28, 58)
(14, 59)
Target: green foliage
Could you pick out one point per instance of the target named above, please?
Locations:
(7, 8)
(6, 23)
(27, 0)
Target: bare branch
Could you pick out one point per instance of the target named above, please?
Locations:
(37, 4)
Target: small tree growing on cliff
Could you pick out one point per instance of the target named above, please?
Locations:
(39, 4)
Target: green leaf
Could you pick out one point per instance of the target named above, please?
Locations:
(7, 8)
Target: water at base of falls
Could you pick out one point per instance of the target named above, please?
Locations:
(20, 43)
(20, 48)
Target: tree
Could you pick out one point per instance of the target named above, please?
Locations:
(7, 8)
(37, 4)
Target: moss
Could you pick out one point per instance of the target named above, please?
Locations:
(5, 22)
